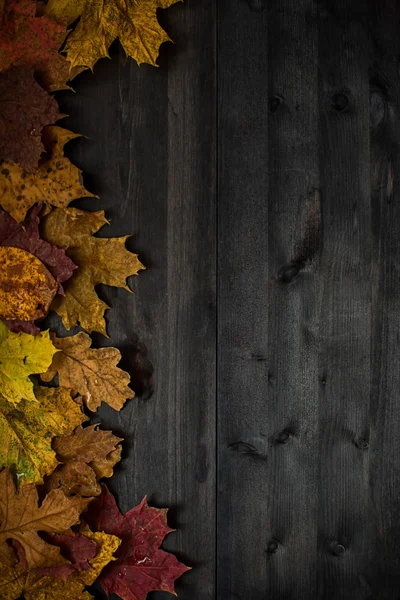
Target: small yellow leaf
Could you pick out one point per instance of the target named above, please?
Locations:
(22, 355)
(27, 288)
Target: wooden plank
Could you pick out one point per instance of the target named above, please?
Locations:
(346, 293)
(269, 228)
(151, 157)
(381, 577)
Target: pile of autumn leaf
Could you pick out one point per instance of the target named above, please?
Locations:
(60, 528)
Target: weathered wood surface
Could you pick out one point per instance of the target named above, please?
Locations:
(259, 170)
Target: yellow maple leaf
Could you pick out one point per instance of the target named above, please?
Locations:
(93, 373)
(99, 260)
(56, 181)
(133, 22)
(26, 432)
(27, 288)
(22, 355)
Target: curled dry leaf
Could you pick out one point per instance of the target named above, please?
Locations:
(99, 449)
(133, 22)
(77, 480)
(22, 518)
(100, 260)
(26, 432)
(93, 373)
(22, 355)
(27, 288)
(56, 181)
(141, 566)
(26, 39)
(24, 110)
(87, 455)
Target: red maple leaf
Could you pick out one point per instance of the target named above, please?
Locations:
(25, 109)
(78, 549)
(26, 39)
(141, 566)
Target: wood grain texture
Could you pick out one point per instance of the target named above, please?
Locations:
(151, 158)
(258, 170)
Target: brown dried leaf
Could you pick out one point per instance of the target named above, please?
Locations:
(91, 445)
(21, 518)
(93, 373)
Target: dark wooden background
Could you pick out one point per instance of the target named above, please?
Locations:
(258, 169)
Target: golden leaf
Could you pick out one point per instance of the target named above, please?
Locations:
(93, 373)
(99, 260)
(22, 518)
(56, 181)
(27, 288)
(26, 432)
(16, 581)
(22, 355)
(133, 22)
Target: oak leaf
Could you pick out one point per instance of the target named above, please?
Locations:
(93, 373)
(22, 355)
(26, 39)
(21, 518)
(27, 430)
(100, 260)
(86, 455)
(141, 566)
(56, 181)
(27, 288)
(133, 22)
(25, 109)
